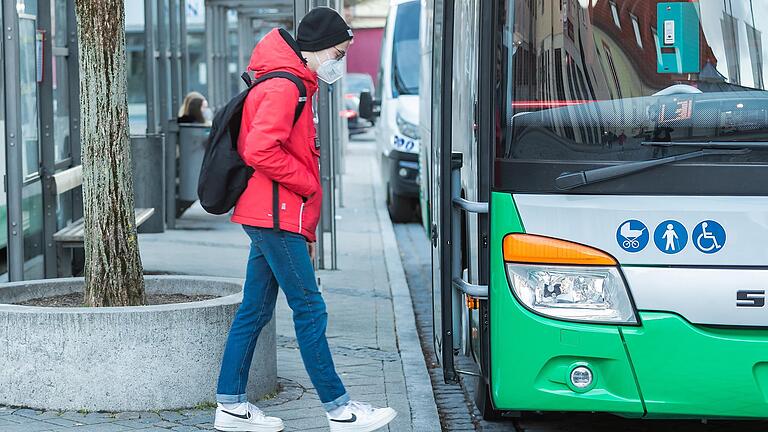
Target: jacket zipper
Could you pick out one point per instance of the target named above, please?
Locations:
(301, 216)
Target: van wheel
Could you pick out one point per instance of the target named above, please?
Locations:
(483, 401)
(400, 207)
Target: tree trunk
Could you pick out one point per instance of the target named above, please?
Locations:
(113, 271)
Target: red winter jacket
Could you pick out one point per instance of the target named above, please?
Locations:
(276, 148)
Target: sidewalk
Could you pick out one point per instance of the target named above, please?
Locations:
(371, 327)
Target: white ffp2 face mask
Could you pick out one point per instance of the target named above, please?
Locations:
(330, 70)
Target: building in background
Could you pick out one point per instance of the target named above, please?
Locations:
(367, 19)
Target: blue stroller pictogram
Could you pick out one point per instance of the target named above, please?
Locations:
(632, 236)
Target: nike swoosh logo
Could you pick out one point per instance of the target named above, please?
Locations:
(349, 420)
(245, 416)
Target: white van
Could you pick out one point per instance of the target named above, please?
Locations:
(397, 130)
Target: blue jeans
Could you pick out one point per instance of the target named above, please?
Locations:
(280, 258)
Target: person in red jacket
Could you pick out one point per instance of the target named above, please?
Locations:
(284, 152)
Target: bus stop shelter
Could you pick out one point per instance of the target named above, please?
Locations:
(173, 47)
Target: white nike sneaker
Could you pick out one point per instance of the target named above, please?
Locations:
(360, 417)
(245, 418)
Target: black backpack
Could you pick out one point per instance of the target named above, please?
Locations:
(223, 175)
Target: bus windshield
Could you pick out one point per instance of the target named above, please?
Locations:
(405, 51)
(594, 83)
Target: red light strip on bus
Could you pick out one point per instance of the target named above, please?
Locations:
(549, 104)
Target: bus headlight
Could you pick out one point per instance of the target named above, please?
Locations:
(594, 294)
(565, 280)
(407, 128)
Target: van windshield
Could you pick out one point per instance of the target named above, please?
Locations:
(614, 80)
(406, 60)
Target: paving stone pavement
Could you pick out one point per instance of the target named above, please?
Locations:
(454, 402)
(361, 328)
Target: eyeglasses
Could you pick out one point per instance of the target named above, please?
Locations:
(341, 54)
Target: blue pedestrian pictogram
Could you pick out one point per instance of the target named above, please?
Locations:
(632, 236)
(709, 237)
(670, 237)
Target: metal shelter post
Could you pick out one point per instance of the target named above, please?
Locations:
(184, 47)
(221, 57)
(47, 146)
(209, 54)
(175, 56)
(149, 57)
(343, 135)
(163, 56)
(170, 125)
(73, 68)
(13, 140)
(300, 8)
(328, 131)
(324, 134)
(155, 55)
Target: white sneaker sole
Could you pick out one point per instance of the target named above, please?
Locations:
(248, 428)
(341, 427)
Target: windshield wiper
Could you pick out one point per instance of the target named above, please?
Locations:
(569, 181)
(710, 144)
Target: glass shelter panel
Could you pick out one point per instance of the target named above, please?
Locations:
(29, 106)
(195, 40)
(59, 14)
(28, 7)
(61, 108)
(136, 67)
(32, 221)
(60, 81)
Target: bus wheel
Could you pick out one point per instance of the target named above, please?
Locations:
(400, 207)
(483, 401)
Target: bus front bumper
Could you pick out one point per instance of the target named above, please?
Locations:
(691, 371)
(663, 368)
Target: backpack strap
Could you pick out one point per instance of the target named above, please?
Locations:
(299, 109)
(291, 77)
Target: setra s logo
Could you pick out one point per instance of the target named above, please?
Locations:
(750, 298)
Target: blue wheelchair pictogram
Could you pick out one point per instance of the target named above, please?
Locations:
(670, 237)
(709, 237)
(632, 236)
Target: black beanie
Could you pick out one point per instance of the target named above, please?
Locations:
(321, 29)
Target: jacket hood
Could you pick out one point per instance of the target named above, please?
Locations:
(278, 51)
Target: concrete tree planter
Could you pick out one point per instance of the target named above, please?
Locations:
(126, 358)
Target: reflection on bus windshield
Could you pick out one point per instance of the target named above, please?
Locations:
(594, 80)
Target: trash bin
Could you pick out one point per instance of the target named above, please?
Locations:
(192, 140)
(148, 179)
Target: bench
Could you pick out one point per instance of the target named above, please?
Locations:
(72, 236)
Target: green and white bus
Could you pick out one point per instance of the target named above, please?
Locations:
(595, 187)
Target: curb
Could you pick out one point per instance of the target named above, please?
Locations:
(421, 397)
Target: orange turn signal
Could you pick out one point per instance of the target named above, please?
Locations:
(534, 249)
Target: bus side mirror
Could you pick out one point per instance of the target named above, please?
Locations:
(369, 108)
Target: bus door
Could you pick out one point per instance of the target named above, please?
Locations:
(439, 159)
(458, 193)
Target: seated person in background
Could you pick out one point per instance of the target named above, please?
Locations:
(195, 110)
